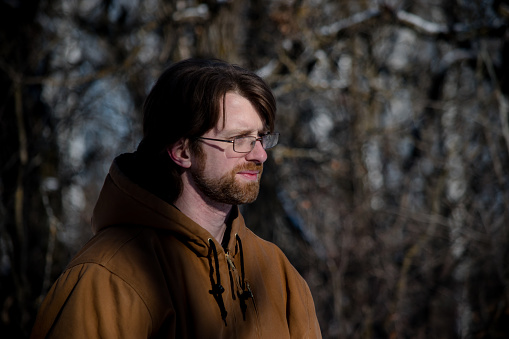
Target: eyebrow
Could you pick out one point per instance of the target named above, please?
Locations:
(246, 132)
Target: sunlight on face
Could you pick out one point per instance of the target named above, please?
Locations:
(225, 176)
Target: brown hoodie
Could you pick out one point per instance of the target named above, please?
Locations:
(150, 271)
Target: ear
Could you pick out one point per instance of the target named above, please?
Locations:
(179, 153)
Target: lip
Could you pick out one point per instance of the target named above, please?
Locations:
(250, 175)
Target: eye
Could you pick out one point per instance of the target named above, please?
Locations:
(244, 138)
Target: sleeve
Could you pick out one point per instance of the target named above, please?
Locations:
(88, 301)
(302, 320)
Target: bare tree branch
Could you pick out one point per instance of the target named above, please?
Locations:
(354, 20)
(503, 102)
(409, 19)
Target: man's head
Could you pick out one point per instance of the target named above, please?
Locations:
(190, 100)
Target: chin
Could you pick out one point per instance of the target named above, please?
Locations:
(242, 195)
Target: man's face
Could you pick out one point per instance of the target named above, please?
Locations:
(221, 174)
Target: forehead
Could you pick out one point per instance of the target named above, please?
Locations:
(239, 115)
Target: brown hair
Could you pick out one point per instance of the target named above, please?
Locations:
(185, 103)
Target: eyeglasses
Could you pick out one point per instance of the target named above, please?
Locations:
(246, 144)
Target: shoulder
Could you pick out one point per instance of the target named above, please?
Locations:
(89, 301)
(117, 245)
(269, 257)
(127, 256)
(261, 246)
(276, 283)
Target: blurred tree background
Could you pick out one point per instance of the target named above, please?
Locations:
(388, 192)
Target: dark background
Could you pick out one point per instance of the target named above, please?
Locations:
(388, 192)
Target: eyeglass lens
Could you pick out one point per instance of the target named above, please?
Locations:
(246, 144)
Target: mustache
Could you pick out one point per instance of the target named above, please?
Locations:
(249, 167)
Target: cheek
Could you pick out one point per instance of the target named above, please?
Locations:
(218, 164)
(222, 160)
(216, 167)
(221, 168)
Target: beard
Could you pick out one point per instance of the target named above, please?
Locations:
(227, 189)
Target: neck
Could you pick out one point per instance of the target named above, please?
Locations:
(209, 214)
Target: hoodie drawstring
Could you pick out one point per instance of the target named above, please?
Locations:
(217, 289)
(244, 291)
(242, 284)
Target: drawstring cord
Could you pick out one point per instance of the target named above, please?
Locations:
(242, 285)
(217, 289)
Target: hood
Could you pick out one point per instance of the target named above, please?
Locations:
(122, 201)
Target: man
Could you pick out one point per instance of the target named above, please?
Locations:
(172, 257)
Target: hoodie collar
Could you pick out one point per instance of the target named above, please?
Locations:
(122, 201)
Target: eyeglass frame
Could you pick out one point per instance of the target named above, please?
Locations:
(232, 141)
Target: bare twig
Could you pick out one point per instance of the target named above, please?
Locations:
(503, 102)
(281, 152)
(421, 25)
(349, 22)
(23, 158)
(409, 19)
(53, 228)
(200, 12)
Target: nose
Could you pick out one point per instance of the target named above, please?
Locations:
(258, 154)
